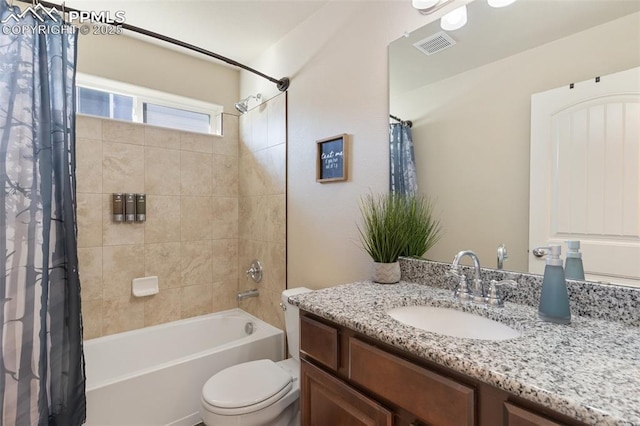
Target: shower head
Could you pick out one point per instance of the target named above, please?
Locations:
(243, 105)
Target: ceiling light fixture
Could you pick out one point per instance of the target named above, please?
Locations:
(455, 19)
(427, 7)
(500, 3)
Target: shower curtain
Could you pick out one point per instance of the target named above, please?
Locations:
(41, 361)
(402, 166)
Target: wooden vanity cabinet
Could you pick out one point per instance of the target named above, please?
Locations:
(349, 379)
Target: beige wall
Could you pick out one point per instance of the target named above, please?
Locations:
(471, 135)
(134, 61)
(262, 206)
(337, 62)
(190, 238)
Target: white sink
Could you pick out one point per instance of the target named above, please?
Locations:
(454, 323)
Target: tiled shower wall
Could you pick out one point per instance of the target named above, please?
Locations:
(190, 238)
(262, 206)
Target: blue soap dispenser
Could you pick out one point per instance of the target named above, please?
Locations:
(554, 300)
(573, 268)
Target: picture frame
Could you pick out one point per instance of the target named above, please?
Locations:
(331, 159)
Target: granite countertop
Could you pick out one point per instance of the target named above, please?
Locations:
(588, 370)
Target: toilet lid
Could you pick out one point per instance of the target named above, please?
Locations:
(246, 385)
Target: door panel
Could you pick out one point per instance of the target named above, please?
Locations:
(585, 174)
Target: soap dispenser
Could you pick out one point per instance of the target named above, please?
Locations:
(573, 268)
(554, 300)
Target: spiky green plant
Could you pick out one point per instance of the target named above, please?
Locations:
(383, 232)
(423, 230)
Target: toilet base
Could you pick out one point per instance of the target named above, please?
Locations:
(290, 416)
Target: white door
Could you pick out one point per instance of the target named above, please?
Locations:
(585, 174)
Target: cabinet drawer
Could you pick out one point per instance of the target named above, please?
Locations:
(435, 399)
(328, 401)
(319, 342)
(517, 416)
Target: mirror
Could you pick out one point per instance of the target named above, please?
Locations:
(470, 108)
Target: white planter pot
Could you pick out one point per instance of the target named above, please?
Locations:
(385, 273)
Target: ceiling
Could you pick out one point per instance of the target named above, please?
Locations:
(238, 29)
(492, 34)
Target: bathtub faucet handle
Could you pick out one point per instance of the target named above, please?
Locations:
(255, 271)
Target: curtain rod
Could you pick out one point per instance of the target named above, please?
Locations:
(282, 84)
(404, 123)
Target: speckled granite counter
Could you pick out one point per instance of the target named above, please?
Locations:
(589, 370)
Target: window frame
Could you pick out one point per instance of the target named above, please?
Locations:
(142, 95)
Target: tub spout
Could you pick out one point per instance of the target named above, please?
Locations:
(246, 294)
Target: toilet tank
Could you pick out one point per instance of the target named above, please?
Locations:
(292, 320)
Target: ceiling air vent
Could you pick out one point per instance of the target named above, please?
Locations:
(435, 43)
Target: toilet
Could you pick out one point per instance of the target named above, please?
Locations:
(262, 392)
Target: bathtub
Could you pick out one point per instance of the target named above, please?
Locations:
(154, 376)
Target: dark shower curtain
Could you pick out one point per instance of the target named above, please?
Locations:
(42, 366)
(402, 166)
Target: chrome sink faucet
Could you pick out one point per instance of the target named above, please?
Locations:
(476, 292)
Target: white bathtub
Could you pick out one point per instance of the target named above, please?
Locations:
(154, 376)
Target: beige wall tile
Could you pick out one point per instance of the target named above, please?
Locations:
(161, 137)
(123, 132)
(196, 173)
(277, 219)
(275, 169)
(90, 269)
(197, 142)
(225, 217)
(91, 318)
(224, 259)
(230, 126)
(120, 265)
(252, 178)
(89, 211)
(225, 175)
(196, 300)
(164, 261)
(89, 165)
(224, 295)
(196, 215)
(122, 167)
(245, 128)
(196, 263)
(260, 129)
(88, 127)
(161, 171)
(226, 146)
(122, 314)
(163, 219)
(119, 233)
(252, 218)
(162, 307)
(277, 117)
(275, 268)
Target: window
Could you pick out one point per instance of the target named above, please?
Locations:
(120, 101)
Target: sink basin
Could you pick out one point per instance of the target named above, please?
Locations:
(454, 323)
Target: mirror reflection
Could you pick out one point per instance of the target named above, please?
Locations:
(470, 105)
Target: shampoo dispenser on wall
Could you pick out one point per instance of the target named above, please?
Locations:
(554, 300)
(573, 268)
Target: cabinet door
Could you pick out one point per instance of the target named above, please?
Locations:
(517, 416)
(325, 400)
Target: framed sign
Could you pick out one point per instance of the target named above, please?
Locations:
(331, 162)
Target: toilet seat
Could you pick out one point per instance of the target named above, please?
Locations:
(245, 388)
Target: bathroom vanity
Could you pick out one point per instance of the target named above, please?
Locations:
(360, 366)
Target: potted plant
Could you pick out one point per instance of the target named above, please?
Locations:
(423, 229)
(395, 225)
